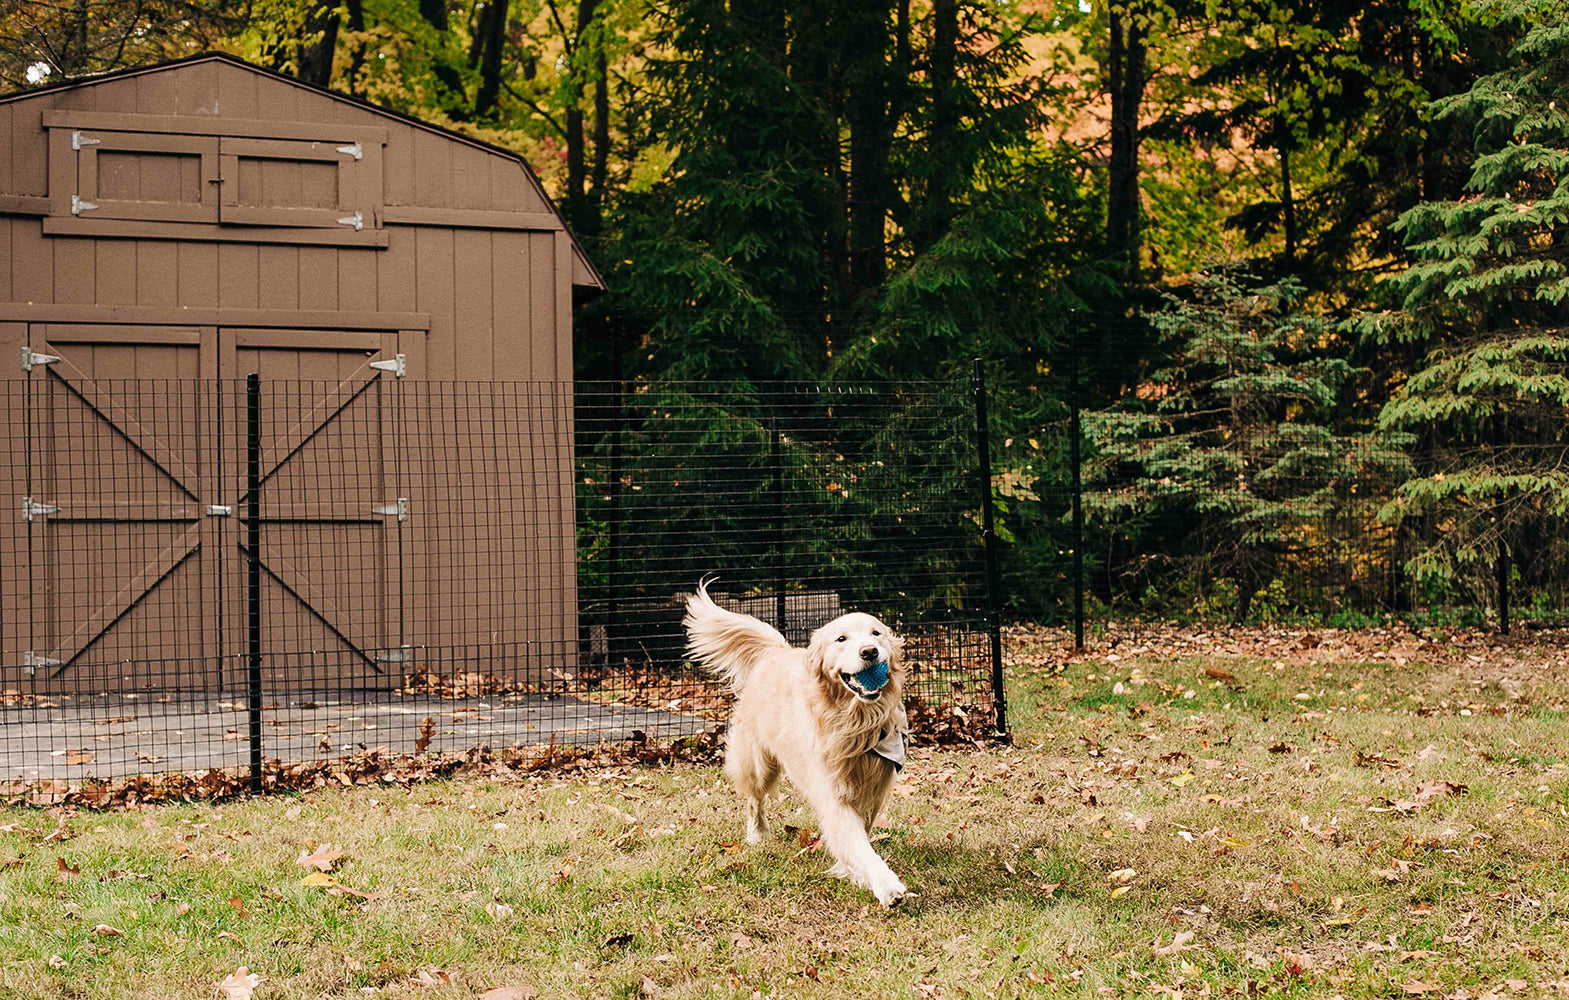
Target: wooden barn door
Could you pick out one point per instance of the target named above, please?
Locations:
(123, 464)
(331, 517)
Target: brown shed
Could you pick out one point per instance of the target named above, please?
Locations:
(168, 230)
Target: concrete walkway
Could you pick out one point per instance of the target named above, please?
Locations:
(75, 738)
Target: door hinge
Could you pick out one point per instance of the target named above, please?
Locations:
(397, 365)
(78, 206)
(31, 661)
(403, 654)
(357, 220)
(400, 508)
(355, 151)
(29, 359)
(78, 140)
(219, 510)
(32, 509)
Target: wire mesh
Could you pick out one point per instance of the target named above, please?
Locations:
(378, 564)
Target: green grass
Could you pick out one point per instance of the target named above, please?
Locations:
(1270, 820)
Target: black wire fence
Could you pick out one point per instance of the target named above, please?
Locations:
(1230, 466)
(242, 575)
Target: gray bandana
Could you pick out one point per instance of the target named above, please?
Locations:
(890, 746)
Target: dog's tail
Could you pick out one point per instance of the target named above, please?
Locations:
(725, 643)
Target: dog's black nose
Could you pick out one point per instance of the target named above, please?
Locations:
(870, 653)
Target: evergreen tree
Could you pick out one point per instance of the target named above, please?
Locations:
(1234, 440)
(1485, 299)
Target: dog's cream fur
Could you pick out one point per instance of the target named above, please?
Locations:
(799, 712)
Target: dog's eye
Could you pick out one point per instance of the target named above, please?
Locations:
(875, 632)
(842, 638)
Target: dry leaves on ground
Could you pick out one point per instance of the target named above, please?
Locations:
(240, 984)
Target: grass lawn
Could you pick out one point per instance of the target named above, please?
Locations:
(1203, 817)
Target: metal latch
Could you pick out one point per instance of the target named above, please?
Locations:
(30, 509)
(31, 661)
(400, 508)
(78, 206)
(397, 366)
(354, 151)
(219, 510)
(29, 359)
(403, 654)
(357, 220)
(78, 140)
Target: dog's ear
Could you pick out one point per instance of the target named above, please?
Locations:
(815, 656)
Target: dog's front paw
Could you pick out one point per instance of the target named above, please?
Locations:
(887, 887)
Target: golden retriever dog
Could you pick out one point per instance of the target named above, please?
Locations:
(827, 716)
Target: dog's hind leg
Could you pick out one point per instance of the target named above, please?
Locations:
(754, 772)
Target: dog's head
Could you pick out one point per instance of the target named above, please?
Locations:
(858, 654)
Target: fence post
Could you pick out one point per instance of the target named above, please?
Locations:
(613, 515)
(1076, 461)
(1502, 570)
(989, 542)
(253, 637)
(775, 453)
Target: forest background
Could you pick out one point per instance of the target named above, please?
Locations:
(1291, 273)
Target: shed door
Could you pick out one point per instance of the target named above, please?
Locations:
(329, 511)
(145, 175)
(274, 182)
(125, 569)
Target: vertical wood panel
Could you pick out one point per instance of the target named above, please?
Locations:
(432, 170)
(5, 260)
(398, 164)
(116, 272)
(542, 302)
(433, 295)
(157, 94)
(7, 181)
(395, 269)
(117, 95)
(510, 279)
(561, 329)
(506, 194)
(157, 273)
(279, 269)
(470, 176)
(472, 339)
(29, 149)
(318, 278)
(236, 92)
(196, 89)
(32, 262)
(357, 280)
(197, 270)
(237, 275)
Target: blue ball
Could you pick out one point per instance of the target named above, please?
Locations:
(873, 677)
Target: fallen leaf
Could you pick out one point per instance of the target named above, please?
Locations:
(510, 993)
(318, 878)
(1415, 987)
(240, 984)
(617, 941)
(1182, 779)
(56, 962)
(321, 858)
(740, 941)
(1177, 945)
(427, 732)
(79, 757)
(428, 978)
(239, 906)
(65, 872)
(104, 930)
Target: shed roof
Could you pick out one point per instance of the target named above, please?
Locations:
(591, 279)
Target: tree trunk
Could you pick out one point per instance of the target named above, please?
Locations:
(943, 157)
(319, 42)
(490, 61)
(356, 9)
(867, 109)
(1288, 203)
(447, 77)
(1126, 77)
(599, 175)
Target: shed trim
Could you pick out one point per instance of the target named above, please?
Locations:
(23, 204)
(118, 121)
(212, 232)
(299, 319)
(466, 218)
